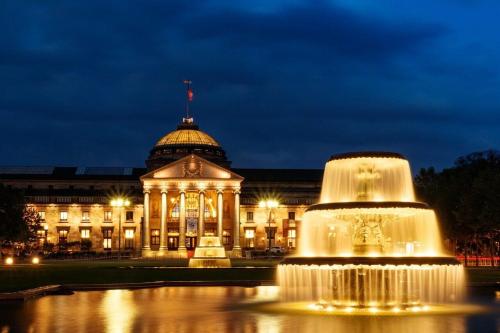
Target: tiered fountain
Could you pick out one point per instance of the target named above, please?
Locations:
(368, 244)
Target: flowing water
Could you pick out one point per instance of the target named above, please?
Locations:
(368, 212)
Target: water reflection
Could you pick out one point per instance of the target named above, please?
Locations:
(208, 309)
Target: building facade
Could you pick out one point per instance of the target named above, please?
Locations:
(188, 189)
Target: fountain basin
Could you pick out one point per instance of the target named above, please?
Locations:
(363, 282)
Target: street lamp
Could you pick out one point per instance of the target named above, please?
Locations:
(270, 205)
(120, 203)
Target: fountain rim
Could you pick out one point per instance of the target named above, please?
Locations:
(371, 261)
(367, 204)
(367, 154)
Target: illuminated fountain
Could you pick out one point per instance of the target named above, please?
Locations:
(209, 254)
(368, 244)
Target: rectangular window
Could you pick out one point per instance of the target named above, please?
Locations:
(226, 237)
(107, 216)
(40, 235)
(85, 216)
(63, 236)
(249, 238)
(85, 233)
(249, 216)
(291, 215)
(107, 238)
(155, 236)
(173, 242)
(292, 238)
(41, 214)
(129, 216)
(63, 216)
(129, 238)
(271, 234)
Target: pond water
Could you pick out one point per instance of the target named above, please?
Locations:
(214, 309)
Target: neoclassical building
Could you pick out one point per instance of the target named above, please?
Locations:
(188, 189)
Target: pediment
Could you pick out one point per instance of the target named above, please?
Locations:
(192, 167)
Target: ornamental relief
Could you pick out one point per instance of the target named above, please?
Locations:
(192, 168)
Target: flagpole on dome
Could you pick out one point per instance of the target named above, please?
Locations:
(189, 99)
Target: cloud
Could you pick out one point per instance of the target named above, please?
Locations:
(92, 82)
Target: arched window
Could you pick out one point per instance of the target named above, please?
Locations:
(175, 211)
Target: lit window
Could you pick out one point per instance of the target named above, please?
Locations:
(292, 238)
(129, 239)
(249, 238)
(249, 233)
(155, 237)
(41, 214)
(63, 215)
(63, 236)
(107, 241)
(249, 216)
(129, 233)
(40, 235)
(85, 233)
(85, 216)
(107, 216)
(226, 237)
(175, 211)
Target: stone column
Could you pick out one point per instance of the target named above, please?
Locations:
(182, 225)
(163, 221)
(220, 208)
(236, 225)
(146, 246)
(201, 215)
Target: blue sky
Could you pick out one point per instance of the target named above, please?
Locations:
(278, 83)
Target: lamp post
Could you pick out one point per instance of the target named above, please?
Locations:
(270, 205)
(120, 203)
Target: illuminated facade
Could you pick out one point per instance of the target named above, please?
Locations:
(187, 190)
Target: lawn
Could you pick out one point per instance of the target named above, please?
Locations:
(25, 276)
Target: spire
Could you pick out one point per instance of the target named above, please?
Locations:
(189, 99)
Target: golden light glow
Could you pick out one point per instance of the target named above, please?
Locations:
(9, 261)
(270, 203)
(120, 202)
(35, 260)
(187, 137)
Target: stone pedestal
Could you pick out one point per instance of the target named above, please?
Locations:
(209, 254)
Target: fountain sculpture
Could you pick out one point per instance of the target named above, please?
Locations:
(209, 254)
(368, 243)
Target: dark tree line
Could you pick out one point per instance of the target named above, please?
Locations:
(18, 221)
(466, 198)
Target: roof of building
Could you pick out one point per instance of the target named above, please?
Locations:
(124, 173)
(187, 133)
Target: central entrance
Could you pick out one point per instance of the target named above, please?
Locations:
(192, 218)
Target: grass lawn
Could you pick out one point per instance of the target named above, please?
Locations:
(25, 276)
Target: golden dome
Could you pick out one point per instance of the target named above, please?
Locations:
(187, 136)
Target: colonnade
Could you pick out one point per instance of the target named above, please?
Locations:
(182, 218)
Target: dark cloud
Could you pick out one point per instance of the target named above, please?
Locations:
(96, 83)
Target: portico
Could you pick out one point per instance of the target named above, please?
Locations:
(187, 199)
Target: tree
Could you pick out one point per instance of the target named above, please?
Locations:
(466, 198)
(18, 221)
